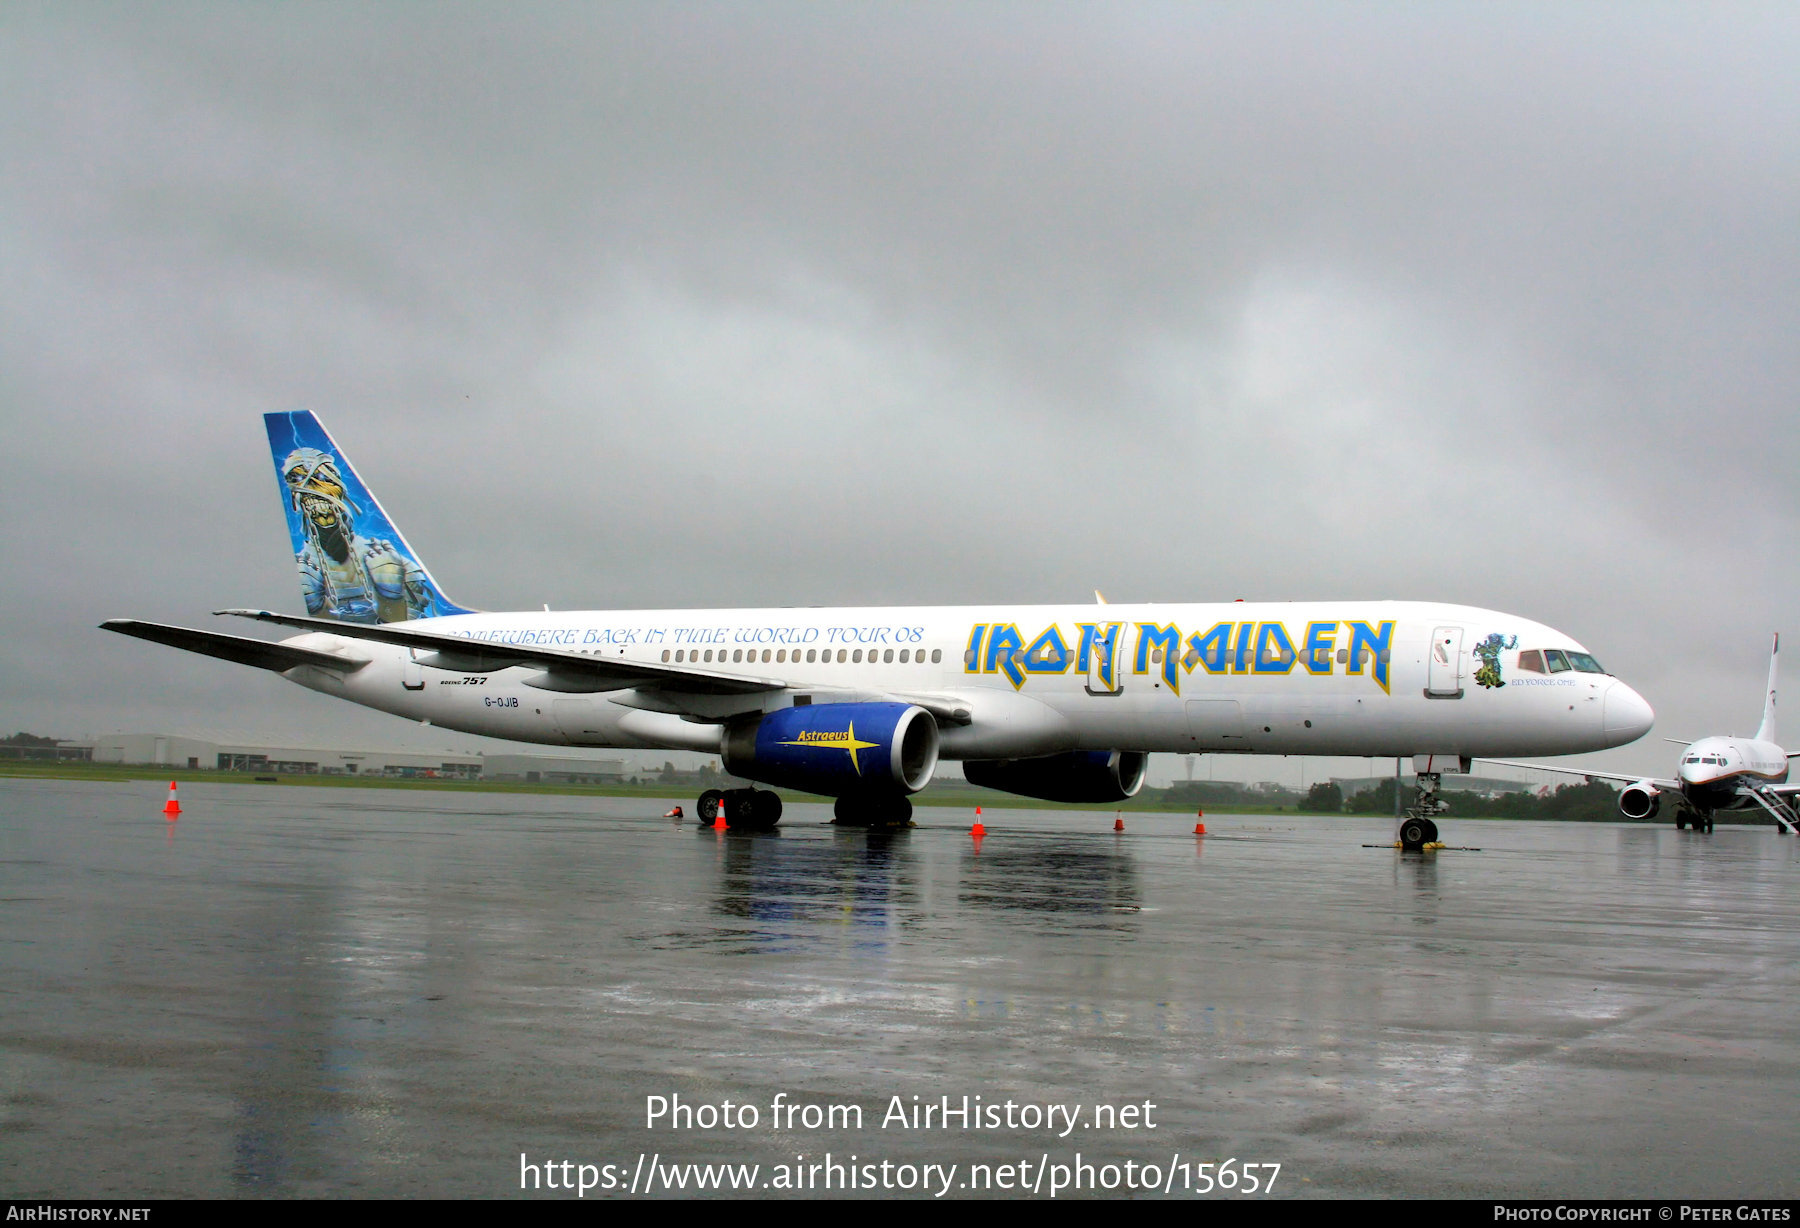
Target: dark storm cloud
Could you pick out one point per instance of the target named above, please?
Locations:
(672, 305)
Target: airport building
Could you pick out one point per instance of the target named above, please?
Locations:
(1486, 786)
(177, 751)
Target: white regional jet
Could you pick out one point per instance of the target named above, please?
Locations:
(1062, 703)
(1721, 773)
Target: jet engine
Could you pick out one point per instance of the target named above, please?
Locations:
(1078, 776)
(1640, 800)
(837, 750)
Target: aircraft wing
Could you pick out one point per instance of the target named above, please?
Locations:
(236, 648)
(568, 671)
(1590, 773)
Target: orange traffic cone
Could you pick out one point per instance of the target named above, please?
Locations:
(1118, 824)
(978, 831)
(172, 808)
(1199, 829)
(720, 824)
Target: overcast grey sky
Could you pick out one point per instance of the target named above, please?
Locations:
(621, 305)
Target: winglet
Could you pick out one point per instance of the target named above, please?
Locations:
(1767, 732)
(1099, 597)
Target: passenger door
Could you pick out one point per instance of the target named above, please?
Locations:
(1443, 664)
(1105, 675)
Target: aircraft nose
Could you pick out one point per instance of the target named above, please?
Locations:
(1626, 714)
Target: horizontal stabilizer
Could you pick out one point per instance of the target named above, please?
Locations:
(237, 648)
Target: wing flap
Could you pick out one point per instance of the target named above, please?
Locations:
(235, 648)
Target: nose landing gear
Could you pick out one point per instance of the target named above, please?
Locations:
(1416, 830)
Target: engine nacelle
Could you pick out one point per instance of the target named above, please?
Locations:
(1078, 776)
(1640, 800)
(837, 749)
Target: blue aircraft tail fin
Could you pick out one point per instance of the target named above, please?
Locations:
(354, 563)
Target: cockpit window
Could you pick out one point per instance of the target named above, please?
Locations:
(1531, 661)
(1585, 663)
(1554, 658)
(1692, 759)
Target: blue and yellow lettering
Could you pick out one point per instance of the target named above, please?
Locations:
(1048, 653)
(1240, 659)
(1274, 650)
(1210, 650)
(1005, 647)
(1168, 640)
(972, 658)
(1321, 639)
(1377, 642)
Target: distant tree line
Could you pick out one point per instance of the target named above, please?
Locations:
(1595, 802)
(1220, 794)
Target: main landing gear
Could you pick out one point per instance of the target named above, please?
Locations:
(872, 812)
(1699, 821)
(745, 809)
(1417, 830)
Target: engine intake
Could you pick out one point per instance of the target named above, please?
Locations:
(837, 750)
(1640, 800)
(1077, 776)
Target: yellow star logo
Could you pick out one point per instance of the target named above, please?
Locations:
(837, 741)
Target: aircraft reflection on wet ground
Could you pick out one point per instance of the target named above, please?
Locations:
(317, 992)
(871, 879)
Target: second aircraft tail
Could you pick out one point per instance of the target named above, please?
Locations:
(354, 564)
(1767, 732)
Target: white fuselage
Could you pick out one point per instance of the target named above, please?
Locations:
(1313, 678)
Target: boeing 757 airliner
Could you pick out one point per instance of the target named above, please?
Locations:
(1062, 703)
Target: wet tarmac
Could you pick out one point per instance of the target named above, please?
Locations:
(317, 992)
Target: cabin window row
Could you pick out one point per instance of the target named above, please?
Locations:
(779, 656)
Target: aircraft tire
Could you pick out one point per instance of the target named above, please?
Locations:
(1680, 822)
(707, 808)
(740, 807)
(762, 810)
(872, 812)
(1415, 834)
